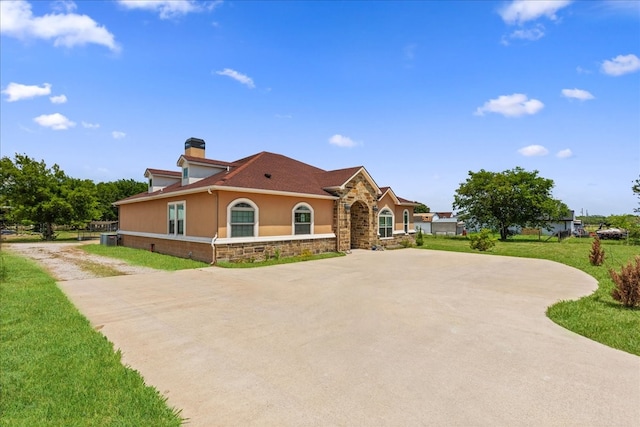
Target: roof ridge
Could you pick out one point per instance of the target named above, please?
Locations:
(237, 169)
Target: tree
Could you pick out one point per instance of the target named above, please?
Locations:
(422, 208)
(511, 198)
(44, 195)
(636, 191)
(109, 192)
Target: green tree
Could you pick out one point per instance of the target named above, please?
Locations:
(110, 192)
(43, 195)
(500, 200)
(636, 191)
(422, 208)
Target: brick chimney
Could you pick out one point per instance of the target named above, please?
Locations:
(194, 147)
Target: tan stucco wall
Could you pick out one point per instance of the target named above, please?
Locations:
(398, 212)
(151, 216)
(275, 213)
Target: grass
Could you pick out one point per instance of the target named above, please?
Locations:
(597, 316)
(55, 369)
(31, 237)
(276, 261)
(144, 258)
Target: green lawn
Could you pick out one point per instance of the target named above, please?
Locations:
(55, 370)
(144, 258)
(597, 316)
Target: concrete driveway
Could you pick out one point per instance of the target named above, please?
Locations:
(393, 338)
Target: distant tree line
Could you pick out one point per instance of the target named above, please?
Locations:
(31, 192)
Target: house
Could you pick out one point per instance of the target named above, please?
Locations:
(261, 206)
(422, 221)
(438, 223)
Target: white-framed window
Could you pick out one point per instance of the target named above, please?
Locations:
(176, 218)
(405, 221)
(385, 223)
(242, 218)
(185, 173)
(302, 219)
(150, 184)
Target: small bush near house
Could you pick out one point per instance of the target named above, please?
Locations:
(596, 255)
(482, 241)
(627, 284)
(406, 243)
(419, 238)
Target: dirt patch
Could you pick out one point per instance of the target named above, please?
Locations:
(65, 261)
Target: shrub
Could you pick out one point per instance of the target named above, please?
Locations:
(482, 241)
(419, 238)
(406, 243)
(306, 253)
(596, 255)
(627, 284)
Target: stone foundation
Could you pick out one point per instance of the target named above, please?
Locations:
(233, 252)
(238, 252)
(396, 241)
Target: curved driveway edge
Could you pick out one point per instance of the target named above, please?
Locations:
(406, 337)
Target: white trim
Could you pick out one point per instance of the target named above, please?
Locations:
(265, 239)
(366, 175)
(397, 232)
(393, 221)
(256, 215)
(293, 218)
(184, 223)
(223, 188)
(405, 227)
(193, 239)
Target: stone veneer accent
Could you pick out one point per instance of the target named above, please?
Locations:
(362, 213)
(235, 252)
(396, 240)
(232, 252)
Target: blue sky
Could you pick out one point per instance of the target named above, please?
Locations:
(419, 93)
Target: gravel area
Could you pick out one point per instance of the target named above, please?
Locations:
(63, 260)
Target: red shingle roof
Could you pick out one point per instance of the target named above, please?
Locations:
(262, 171)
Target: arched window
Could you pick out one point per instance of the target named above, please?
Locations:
(302, 219)
(405, 221)
(385, 223)
(243, 218)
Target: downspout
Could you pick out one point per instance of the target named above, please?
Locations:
(338, 225)
(215, 237)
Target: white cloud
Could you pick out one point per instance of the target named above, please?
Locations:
(118, 135)
(580, 94)
(342, 141)
(168, 9)
(621, 64)
(521, 11)
(65, 29)
(532, 34)
(54, 121)
(17, 91)
(64, 6)
(581, 70)
(242, 78)
(533, 150)
(511, 106)
(87, 125)
(564, 154)
(58, 99)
